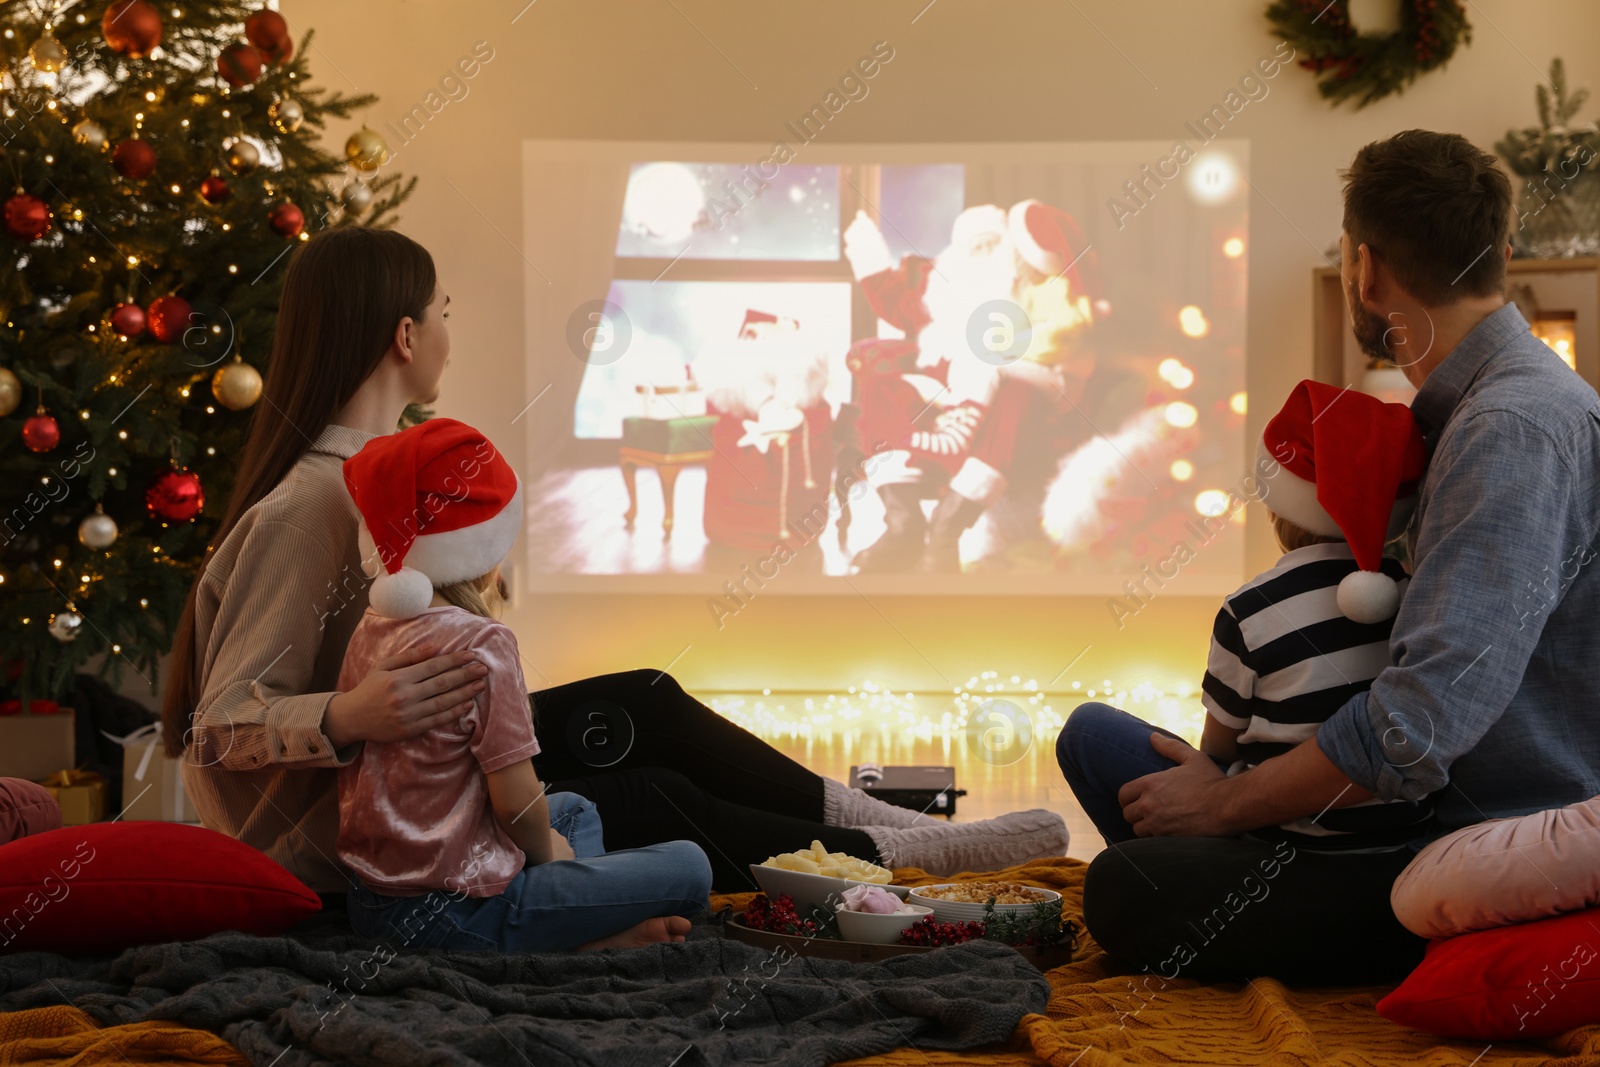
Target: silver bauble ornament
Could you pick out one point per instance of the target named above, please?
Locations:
(243, 157)
(90, 134)
(64, 625)
(98, 530)
(286, 115)
(356, 197)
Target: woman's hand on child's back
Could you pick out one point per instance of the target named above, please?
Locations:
(404, 696)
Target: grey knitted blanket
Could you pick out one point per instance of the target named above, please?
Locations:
(331, 998)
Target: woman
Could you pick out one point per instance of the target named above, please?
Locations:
(250, 702)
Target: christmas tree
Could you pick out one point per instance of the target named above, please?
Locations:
(163, 162)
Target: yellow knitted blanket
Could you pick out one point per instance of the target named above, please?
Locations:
(66, 1037)
(1103, 1016)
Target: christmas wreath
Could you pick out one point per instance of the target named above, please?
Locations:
(1364, 67)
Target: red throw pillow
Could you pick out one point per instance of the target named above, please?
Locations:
(26, 808)
(1507, 984)
(106, 886)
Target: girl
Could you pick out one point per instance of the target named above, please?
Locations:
(254, 703)
(459, 811)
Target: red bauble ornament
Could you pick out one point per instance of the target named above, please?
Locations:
(132, 28)
(239, 64)
(128, 320)
(214, 190)
(134, 158)
(270, 33)
(41, 432)
(287, 220)
(174, 496)
(27, 217)
(169, 318)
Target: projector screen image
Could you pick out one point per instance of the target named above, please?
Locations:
(957, 368)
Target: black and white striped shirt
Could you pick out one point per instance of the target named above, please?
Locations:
(1283, 659)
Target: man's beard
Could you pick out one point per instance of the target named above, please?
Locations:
(1368, 326)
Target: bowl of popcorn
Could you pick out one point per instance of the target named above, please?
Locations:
(815, 877)
(874, 915)
(966, 901)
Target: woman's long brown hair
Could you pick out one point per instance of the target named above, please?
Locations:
(345, 292)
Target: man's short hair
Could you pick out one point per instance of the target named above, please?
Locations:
(1436, 209)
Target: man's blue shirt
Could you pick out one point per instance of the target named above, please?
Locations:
(1494, 698)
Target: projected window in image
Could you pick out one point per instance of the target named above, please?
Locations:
(723, 211)
(993, 369)
(679, 325)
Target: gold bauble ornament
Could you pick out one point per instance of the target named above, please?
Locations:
(47, 55)
(286, 115)
(366, 150)
(10, 392)
(236, 385)
(90, 134)
(243, 157)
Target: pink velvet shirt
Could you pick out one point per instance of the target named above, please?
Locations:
(415, 815)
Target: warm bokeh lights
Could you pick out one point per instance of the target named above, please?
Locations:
(1182, 415)
(1192, 321)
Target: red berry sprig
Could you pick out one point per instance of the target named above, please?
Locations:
(926, 933)
(777, 917)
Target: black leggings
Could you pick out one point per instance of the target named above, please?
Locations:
(1231, 909)
(661, 766)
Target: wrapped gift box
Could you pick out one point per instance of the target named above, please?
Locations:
(152, 783)
(81, 794)
(680, 401)
(668, 437)
(37, 743)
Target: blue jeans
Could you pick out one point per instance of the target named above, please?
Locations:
(578, 820)
(549, 907)
(1102, 749)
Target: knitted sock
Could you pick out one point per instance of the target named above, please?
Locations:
(946, 848)
(856, 808)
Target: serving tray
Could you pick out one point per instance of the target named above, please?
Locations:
(1043, 957)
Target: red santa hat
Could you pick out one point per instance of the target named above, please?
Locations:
(438, 504)
(1048, 239)
(1345, 464)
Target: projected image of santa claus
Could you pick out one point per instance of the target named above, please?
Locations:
(981, 382)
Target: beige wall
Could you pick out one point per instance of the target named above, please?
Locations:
(963, 71)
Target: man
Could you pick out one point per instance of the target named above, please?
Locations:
(1490, 703)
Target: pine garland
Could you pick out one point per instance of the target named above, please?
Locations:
(130, 408)
(1364, 67)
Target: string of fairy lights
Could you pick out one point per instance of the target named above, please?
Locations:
(870, 709)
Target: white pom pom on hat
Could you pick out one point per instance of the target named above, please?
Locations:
(402, 594)
(1339, 463)
(1368, 596)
